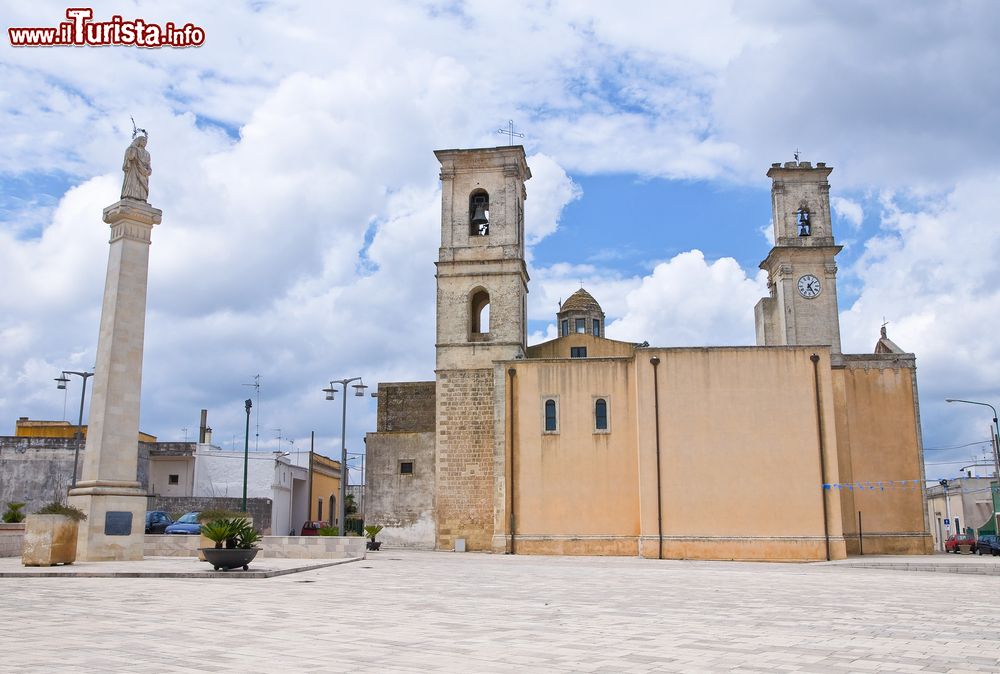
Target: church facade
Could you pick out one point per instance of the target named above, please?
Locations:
(788, 450)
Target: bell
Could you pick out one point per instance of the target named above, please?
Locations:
(480, 217)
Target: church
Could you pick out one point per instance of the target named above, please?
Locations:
(788, 450)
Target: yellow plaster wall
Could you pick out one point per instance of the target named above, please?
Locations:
(323, 485)
(575, 483)
(29, 428)
(877, 430)
(597, 347)
(740, 466)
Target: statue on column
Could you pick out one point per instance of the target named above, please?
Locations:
(137, 168)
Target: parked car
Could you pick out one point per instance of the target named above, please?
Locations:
(953, 541)
(312, 527)
(187, 524)
(994, 546)
(983, 544)
(157, 521)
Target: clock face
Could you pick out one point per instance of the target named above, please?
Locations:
(809, 286)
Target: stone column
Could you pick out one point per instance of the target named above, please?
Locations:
(108, 492)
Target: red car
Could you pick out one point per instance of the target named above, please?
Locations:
(953, 541)
(312, 528)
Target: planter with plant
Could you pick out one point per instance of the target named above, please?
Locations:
(328, 531)
(50, 535)
(14, 514)
(234, 540)
(206, 517)
(371, 531)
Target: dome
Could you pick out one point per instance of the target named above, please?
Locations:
(580, 313)
(581, 301)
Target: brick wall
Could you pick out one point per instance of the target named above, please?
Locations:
(464, 469)
(259, 508)
(406, 406)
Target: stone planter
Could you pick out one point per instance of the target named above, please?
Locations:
(965, 549)
(229, 558)
(49, 540)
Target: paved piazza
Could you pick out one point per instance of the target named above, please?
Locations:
(423, 611)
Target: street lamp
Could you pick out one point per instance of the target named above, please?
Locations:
(996, 430)
(359, 391)
(246, 452)
(61, 382)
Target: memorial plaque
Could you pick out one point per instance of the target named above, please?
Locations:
(117, 523)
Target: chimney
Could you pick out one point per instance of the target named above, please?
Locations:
(203, 428)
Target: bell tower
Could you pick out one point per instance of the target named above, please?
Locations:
(482, 287)
(482, 280)
(801, 271)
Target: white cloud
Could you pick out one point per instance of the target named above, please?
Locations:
(550, 191)
(848, 210)
(688, 301)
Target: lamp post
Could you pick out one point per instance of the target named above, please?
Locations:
(996, 431)
(359, 391)
(61, 382)
(246, 452)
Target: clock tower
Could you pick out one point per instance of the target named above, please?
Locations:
(801, 271)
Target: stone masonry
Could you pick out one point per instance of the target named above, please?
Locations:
(465, 458)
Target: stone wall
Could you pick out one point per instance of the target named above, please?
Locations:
(402, 503)
(464, 471)
(37, 471)
(259, 508)
(406, 406)
(11, 539)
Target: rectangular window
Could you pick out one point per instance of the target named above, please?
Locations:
(406, 468)
(577, 352)
(581, 325)
(565, 327)
(174, 479)
(597, 327)
(601, 414)
(551, 420)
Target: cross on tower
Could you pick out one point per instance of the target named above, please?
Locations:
(510, 133)
(796, 154)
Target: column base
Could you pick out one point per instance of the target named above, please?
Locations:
(115, 527)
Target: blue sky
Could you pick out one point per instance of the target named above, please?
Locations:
(293, 161)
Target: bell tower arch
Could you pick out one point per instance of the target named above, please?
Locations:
(801, 267)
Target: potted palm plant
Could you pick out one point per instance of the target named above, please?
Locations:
(235, 542)
(371, 531)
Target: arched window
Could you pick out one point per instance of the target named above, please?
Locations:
(601, 414)
(551, 421)
(479, 213)
(479, 308)
(802, 219)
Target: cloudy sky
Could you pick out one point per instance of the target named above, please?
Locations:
(292, 159)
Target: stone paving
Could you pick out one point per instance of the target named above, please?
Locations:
(404, 611)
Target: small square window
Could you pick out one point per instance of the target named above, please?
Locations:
(581, 325)
(174, 479)
(577, 352)
(406, 468)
